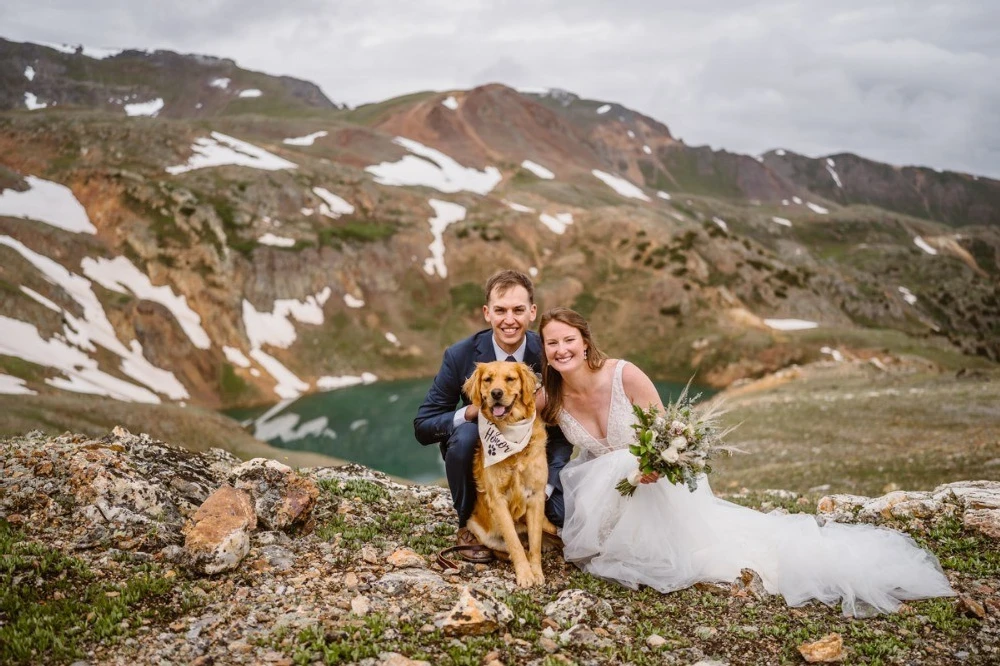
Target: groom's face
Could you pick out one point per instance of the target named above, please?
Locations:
(510, 313)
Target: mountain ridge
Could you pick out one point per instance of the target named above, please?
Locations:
(299, 237)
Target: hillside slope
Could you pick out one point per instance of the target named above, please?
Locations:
(259, 247)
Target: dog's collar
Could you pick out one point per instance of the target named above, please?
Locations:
(501, 444)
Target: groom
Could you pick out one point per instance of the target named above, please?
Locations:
(509, 310)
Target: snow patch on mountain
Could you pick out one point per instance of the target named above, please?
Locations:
(306, 140)
(81, 374)
(121, 275)
(538, 170)
(31, 102)
(92, 329)
(276, 241)
(95, 52)
(235, 356)
(47, 202)
(288, 385)
(432, 168)
(790, 324)
(621, 186)
(333, 206)
(222, 150)
(275, 328)
(923, 245)
(831, 169)
(150, 108)
(520, 208)
(445, 213)
(353, 302)
(556, 223)
(38, 298)
(14, 386)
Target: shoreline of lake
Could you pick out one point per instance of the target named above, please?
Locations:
(370, 424)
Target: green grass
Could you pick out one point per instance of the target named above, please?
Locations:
(11, 365)
(402, 523)
(52, 606)
(585, 303)
(963, 550)
(361, 231)
(691, 175)
(370, 114)
(467, 297)
(232, 387)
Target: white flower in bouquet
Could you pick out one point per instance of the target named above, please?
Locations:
(676, 445)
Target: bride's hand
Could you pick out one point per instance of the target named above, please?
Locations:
(652, 477)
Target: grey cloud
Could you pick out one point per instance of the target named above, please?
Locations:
(904, 82)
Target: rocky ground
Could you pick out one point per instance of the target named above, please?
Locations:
(105, 544)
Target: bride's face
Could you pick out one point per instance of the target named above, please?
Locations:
(564, 346)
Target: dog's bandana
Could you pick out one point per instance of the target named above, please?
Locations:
(501, 444)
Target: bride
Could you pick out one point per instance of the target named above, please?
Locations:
(668, 537)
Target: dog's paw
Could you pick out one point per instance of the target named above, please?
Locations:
(536, 569)
(527, 576)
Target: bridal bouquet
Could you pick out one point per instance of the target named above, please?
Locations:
(677, 444)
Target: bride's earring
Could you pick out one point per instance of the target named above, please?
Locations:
(585, 352)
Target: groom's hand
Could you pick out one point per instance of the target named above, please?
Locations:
(471, 413)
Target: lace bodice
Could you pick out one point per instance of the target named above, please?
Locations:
(620, 421)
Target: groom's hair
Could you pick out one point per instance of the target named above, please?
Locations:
(503, 280)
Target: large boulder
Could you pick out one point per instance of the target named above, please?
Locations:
(282, 499)
(977, 503)
(218, 537)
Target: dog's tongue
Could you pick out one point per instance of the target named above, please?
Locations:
(499, 410)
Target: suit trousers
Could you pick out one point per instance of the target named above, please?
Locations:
(458, 453)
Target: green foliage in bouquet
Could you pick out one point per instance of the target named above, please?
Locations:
(676, 445)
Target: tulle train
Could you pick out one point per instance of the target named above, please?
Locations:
(668, 538)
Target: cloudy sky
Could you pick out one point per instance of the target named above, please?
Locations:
(901, 81)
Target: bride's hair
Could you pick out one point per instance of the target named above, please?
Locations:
(551, 379)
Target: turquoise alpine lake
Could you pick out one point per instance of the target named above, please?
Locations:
(370, 424)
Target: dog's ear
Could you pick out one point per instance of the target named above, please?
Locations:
(471, 386)
(529, 383)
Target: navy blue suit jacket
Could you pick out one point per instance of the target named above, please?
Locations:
(434, 422)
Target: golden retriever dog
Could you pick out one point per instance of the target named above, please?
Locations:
(511, 492)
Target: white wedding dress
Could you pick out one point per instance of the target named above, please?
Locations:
(668, 537)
